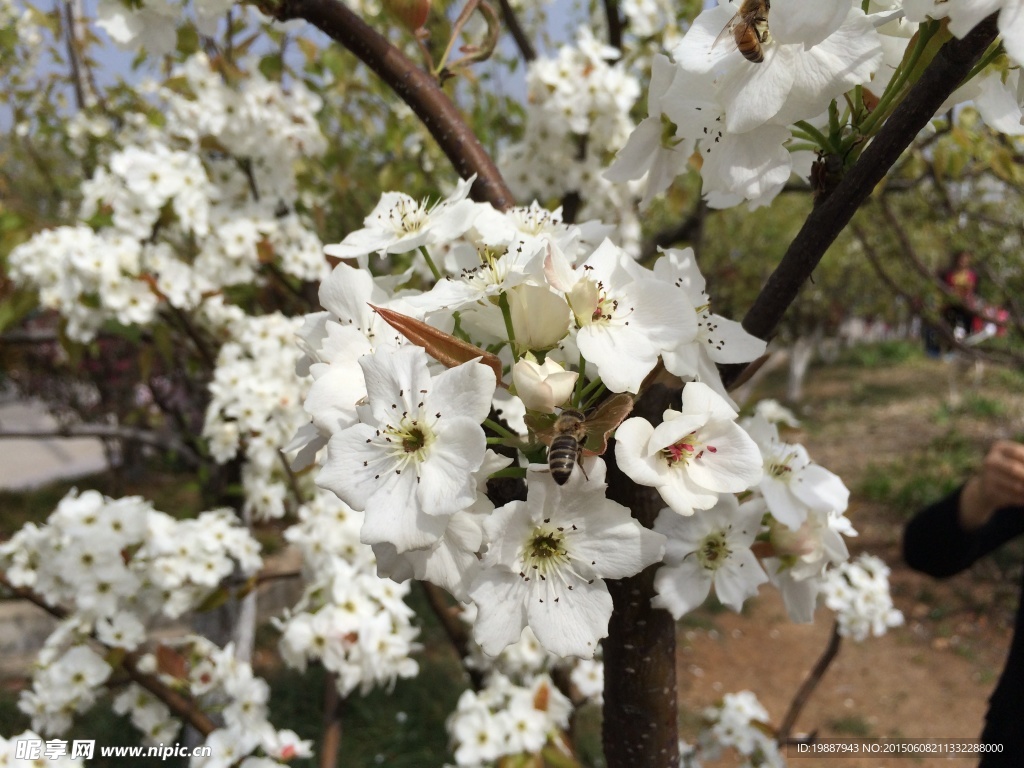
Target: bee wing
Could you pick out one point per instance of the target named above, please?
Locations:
(727, 29)
(541, 426)
(609, 415)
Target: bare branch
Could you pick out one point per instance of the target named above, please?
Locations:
(616, 23)
(330, 741)
(411, 84)
(523, 43)
(166, 442)
(807, 688)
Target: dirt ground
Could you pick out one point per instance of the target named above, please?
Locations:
(928, 679)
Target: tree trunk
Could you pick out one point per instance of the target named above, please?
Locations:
(640, 728)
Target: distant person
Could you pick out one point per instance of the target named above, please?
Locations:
(946, 538)
(962, 282)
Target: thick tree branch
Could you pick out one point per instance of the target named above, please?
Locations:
(640, 726)
(949, 67)
(411, 84)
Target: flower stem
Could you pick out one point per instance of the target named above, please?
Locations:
(430, 263)
(498, 428)
(509, 472)
(506, 314)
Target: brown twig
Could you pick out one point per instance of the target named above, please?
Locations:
(330, 741)
(803, 694)
(411, 84)
(616, 23)
(508, 15)
(949, 67)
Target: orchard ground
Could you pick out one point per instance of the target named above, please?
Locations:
(879, 417)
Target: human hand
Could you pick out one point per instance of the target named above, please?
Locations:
(999, 483)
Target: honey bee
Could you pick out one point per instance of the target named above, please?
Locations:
(575, 433)
(749, 28)
(566, 448)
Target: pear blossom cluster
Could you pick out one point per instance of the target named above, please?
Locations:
(256, 406)
(347, 618)
(752, 124)
(739, 724)
(164, 221)
(505, 719)
(858, 592)
(524, 316)
(112, 566)
(216, 678)
(356, 625)
(577, 117)
(9, 751)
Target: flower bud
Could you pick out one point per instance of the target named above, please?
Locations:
(540, 317)
(411, 14)
(542, 387)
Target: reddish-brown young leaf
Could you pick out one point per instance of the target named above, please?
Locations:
(443, 347)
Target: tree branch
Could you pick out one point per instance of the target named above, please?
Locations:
(615, 23)
(949, 67)
(523, 43)
(181, 706)
(808, 686)
(411, 84)
(106, 432)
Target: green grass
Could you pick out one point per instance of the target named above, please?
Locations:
(853, 725)
(923, 476)
(885, 353)
(177, 494)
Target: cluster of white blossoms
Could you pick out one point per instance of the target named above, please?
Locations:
(577, 117)
(858, 592)
(9, 751)
(505, 719)
(170, 218)
(347, 619)
(256, 407)
(111, 566)
(749, 122)
(739, 723)
(216, 679)
(527, 317)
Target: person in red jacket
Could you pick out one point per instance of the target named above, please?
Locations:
(946, 538)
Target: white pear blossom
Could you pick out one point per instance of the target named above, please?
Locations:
(399, 224)
(626, 318)
(547, 560)
(718, 339)
(653, 147)
(793, 82)
(858, 592)
(965, 15)
(792, 483)
(408, 464)
(710, 547)
(693, 455)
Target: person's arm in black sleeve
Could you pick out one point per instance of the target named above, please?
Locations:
(986, 512)
(935, 541)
